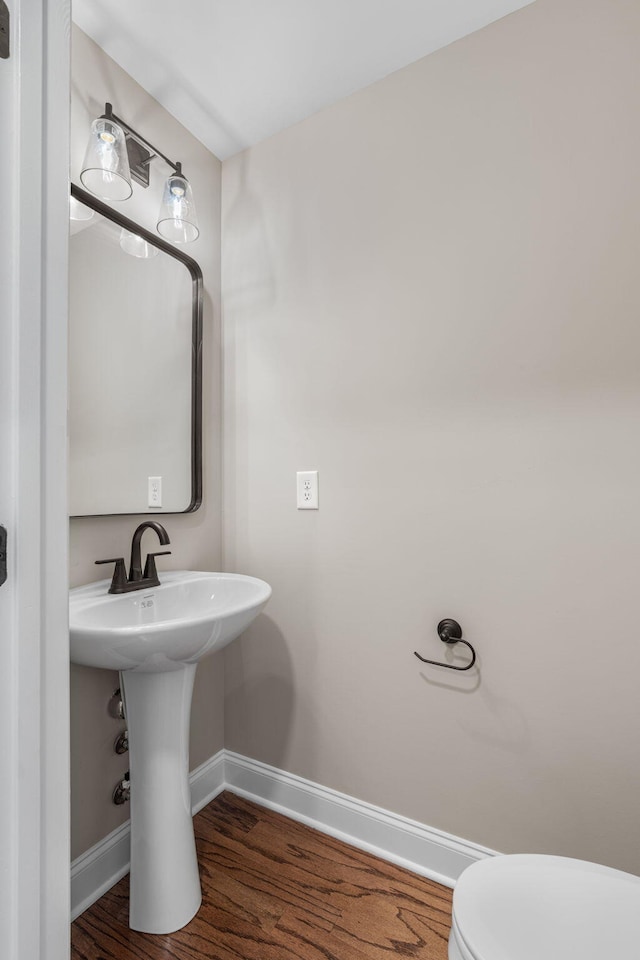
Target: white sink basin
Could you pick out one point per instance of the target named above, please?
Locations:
(155, 638)
(188, 616)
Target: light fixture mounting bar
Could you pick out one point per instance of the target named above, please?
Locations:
(154, 152)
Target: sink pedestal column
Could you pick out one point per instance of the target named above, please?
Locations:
(165, 884)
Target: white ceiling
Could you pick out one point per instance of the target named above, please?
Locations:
(237, 71)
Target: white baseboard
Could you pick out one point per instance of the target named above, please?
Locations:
(424, 850)
(207, 781)
(97, 870)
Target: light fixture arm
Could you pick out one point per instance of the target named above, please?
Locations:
(110, 115)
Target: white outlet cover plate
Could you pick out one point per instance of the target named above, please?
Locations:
(155, 492)
(307, 489)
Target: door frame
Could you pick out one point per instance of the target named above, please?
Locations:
(34, 709)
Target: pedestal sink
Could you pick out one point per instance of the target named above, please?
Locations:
(155, 638)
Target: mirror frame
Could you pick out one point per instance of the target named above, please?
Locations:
(196, 346)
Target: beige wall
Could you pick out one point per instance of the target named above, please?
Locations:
(431, 295)
(195, 538)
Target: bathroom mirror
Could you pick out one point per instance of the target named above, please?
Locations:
(135, 367)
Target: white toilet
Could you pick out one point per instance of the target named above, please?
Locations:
(529, 907)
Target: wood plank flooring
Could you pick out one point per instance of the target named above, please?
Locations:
(274, 889)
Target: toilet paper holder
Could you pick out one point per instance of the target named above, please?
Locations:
(450, 631)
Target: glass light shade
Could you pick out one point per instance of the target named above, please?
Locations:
(105, 170)
(137, 246)
(177, 220)
(78, 211)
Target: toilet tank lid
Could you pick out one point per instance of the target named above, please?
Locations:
(528, 907)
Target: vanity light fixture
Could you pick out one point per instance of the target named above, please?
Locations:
(105, 170)
(116, 154)
(177, 220)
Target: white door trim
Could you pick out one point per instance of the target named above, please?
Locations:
(34, 835)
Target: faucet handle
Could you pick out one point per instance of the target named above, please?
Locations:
(119, 581)
(150, 572)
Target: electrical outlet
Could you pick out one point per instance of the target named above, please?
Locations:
(155, 492)
(307, 488)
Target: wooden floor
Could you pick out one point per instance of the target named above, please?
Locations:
(276, 890)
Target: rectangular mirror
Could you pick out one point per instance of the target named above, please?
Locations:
(135, 368)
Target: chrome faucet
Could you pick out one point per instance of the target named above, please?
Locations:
(137, 580)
